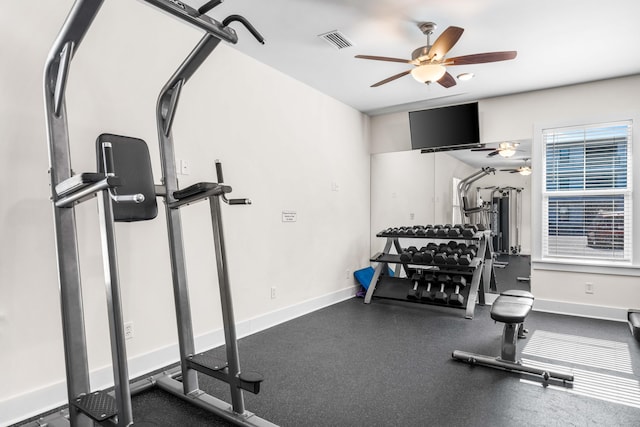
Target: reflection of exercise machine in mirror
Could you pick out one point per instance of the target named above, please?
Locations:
(499, 210)
(505, 217)
(473, 214)
(505, 224)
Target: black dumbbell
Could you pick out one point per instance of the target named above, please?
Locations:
(467, 256)
(465, 259)
(456, 298)
(443, 232)
(455, 231)
(427, 256)
(452, 244)
(481, 227)
(432, 246)
(407, 254)
(415, 294)
(443, 247)
(433, 231)
(421, 232)
(418, 257)
(441, 296)
(428, 294)
(452, 258)
(440, 258)
(469, 231)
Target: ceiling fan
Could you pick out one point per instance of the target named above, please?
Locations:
(505, 149)
(522, 170)
(430, 62)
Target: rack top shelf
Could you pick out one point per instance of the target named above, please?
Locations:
(448, 231)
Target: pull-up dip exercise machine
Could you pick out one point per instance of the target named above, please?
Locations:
(126, 192)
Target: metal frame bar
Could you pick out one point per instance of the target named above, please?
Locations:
(165, 112)
(188, 389)
(114, 311)
(230, 336)
(55, 76)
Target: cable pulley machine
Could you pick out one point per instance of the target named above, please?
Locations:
(126, 191)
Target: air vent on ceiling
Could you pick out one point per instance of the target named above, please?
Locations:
(336, 39)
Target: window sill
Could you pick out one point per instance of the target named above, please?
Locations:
(621, 268)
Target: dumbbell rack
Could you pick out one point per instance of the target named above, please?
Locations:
(480, 270)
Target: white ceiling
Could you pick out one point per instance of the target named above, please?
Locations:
(559, 42)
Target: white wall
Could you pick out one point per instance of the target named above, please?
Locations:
(282, 144)
(514, 117)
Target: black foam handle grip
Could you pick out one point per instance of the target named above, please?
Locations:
(219, 172)
(239, 201)
(229, 19)
(208, 6)
(107, 158)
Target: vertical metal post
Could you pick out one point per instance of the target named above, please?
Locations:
(233, 358)
(165, 112)
(56, 71)
(114, 311)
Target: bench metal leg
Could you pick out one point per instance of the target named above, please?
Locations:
(509, 342)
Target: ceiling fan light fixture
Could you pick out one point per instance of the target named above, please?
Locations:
(428, 73)
(507, 152)
(525, 171)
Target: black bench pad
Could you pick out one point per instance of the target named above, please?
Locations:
(510, 307)
(517, 293)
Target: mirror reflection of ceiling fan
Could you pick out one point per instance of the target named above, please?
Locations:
(522, 170)
(430, 62)
(505, 149)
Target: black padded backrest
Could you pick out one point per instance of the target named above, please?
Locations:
(132, 165)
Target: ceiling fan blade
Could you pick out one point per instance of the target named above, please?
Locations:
(509, 170)
(447, 80)
(392, 78)
(495, 153)
(384, 58)
(445, 42)
(481, 58)
(483, 149)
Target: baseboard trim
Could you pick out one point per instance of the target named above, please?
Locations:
(36, 402)
(580, 310)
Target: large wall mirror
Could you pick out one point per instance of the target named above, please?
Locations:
(414, 188)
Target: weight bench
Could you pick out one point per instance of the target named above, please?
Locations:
(510, 308)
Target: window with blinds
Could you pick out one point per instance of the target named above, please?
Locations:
(587, 192)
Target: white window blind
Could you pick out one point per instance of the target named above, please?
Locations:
(587, 192)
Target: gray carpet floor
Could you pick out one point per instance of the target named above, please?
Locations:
(389, 363)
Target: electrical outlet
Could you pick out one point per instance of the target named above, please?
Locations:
(347, 274)
(128, 330)
(588, 288)
(273, 292)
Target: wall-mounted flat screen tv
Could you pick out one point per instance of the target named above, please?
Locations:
(447, 128)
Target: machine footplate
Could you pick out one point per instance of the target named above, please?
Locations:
(206, 363)
(98, 405)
